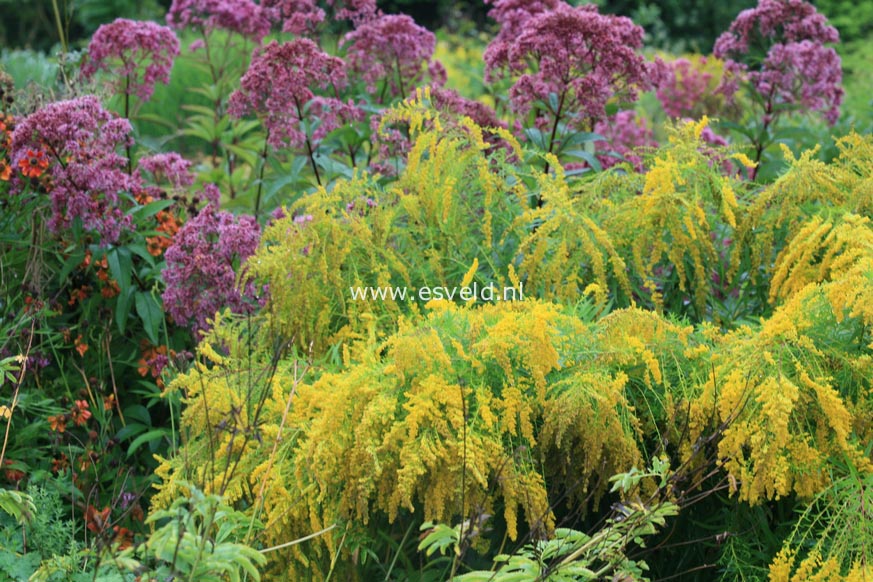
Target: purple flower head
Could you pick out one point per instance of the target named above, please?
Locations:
(303, 218)
(684, 87)
(241, 16)
(390, 144)
(279, 84)
(169, 167)
(203, 262)
(453, 103)
(512, 15)
(390, 48)
(358, 11)
(774, 22)
(708, 136)
(138, 54)
(333, 113)
(805, 73)
(299, 17)
(82, 140)
(128, 498)
(779, 47)
(582, 58)
(625, 132)
(277, 214)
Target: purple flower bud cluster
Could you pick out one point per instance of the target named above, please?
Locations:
(582, 59)
(684, 87)
(779, 45)
(81, 139)
(170, 166)
(805, 73)
(390, 48)
(511, 15)
(296, 16)
(279, 84)
(241, 16)
(358, 11)
(453, 103)
(138, 54)
(202, 265)
(625, 132)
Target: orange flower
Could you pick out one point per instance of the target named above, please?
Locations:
(33, 164)
(5, 171)
(136, 514)
(123, 537)
(13, 475)
(58, 423)
(60, 464)
(147, 361)
(79, 295)
(109, 402)
(111, 290)
(80, 413)
(81, 346)
(96, 520)
(168, 226)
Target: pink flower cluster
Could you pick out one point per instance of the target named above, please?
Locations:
(170, 167)
(390, 48)
(780, 46)
(683, 87)
(625, 133)
(297, 16)
(804, 73)
(138, 54)
(358, 11)
(279, 84)
(774, 21)
(87, 174)
(511, 15)
(581, 58)
(203, 262)
(453, 103)
(241, 16)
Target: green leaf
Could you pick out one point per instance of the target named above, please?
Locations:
(151, 436)
(151, 315)
(122, 308)
(248, 156)
(589, 157)
(120, 265)
(151, 208)
(581, 137)
(74, 260)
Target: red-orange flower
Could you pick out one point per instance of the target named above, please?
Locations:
(123, 537)
(58, 423)
(96, 520)
(5, 171)
(81, 347)
(60, 464)
(110, 290)
(79, 295)
(13, 475)
(33, 164)
(153, 360)
(80, 413)
(168, 226)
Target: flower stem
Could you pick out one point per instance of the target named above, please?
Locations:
(261, 175)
